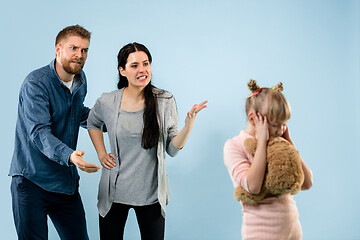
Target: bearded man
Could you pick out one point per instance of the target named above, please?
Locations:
(51, 109)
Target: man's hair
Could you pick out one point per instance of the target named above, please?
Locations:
(75, 30)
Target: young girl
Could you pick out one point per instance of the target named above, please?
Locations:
(273, 218)
(142, 124)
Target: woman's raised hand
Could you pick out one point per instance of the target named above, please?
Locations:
(191, 115)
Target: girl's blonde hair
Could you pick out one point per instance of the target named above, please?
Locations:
(269, 102)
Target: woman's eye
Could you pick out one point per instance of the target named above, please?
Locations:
(133, 66)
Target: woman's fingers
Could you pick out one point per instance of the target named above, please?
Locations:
(200, 106)
(197, 108)
(109, 161)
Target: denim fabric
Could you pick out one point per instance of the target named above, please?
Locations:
(31, 206)
(49, 117)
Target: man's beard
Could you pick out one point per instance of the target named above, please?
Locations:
(75, 69)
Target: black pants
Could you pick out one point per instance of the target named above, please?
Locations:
(150, 220)
(32, 204)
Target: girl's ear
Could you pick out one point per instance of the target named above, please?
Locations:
(251, 116)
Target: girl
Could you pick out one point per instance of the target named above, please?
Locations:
(141, 121)
(273, 218)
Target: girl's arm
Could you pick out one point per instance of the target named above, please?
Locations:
(180, 139)
(256, 173)
(308, 177)
(308, 180)
(107, 160)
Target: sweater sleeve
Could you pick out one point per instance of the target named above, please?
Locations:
(172, 128)
(237, 163)
(95, 120)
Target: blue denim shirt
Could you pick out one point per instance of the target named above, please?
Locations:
(47, 128)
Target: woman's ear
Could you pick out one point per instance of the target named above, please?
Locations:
(122, 72)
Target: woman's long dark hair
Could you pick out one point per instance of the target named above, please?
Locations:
(151, 130)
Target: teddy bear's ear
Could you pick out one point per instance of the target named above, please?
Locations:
(250, 145)
(275, 140)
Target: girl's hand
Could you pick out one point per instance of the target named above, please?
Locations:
(108, 161)
(261, 127)
(191, 115)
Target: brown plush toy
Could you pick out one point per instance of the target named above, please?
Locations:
(283, 174)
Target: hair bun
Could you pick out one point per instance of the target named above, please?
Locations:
(279, 87)
(253, 86)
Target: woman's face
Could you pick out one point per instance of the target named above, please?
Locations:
(137, 70)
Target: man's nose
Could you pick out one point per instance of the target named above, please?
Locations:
(79, 53)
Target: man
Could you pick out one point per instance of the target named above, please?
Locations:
(44, 173)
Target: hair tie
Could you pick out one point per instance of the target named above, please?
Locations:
(257, 92)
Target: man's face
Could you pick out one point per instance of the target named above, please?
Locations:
(72, 53)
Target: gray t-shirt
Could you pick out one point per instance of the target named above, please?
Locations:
(137, 182)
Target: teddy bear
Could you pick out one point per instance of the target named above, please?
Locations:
(283, 173)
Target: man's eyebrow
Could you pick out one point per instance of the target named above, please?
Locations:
(73, 45)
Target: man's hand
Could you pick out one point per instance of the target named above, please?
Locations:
(76, 158)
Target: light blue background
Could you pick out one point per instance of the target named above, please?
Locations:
(209, 50)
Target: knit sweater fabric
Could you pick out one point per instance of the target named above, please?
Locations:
(273, 218)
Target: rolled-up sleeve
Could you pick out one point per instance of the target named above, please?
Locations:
(172, 127)
(95, 120)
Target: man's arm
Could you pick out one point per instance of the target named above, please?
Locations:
(37, 120)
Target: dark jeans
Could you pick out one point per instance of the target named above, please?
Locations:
(150, 220)
(32, 204)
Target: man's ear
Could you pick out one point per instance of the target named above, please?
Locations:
(57, 49)
(251, 116)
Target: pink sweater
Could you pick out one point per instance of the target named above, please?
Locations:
(273, 218)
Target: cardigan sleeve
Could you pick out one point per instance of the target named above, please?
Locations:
(237, 163)
(95, 119)
(172, 127)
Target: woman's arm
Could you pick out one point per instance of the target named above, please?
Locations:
(107, 160)
(180, 139)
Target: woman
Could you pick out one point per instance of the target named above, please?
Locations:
(141, 121)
